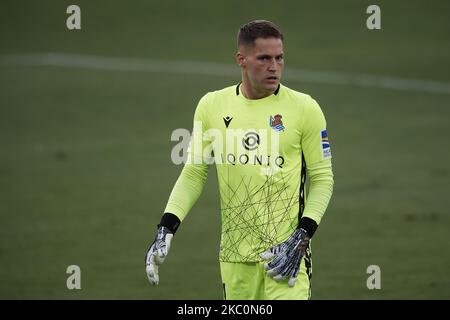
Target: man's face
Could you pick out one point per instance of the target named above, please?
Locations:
(262, 64)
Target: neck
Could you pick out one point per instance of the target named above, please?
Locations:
(252, 93)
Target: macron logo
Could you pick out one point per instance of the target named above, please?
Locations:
(227, 121)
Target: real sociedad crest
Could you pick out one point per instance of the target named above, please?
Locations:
(276, 123)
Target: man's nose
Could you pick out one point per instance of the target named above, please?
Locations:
(273, 65)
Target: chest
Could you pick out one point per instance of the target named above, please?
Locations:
(265, 126)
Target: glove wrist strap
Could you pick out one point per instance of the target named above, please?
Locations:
(170, 221)
(309, 225)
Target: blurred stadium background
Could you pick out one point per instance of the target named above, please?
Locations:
(85, 168)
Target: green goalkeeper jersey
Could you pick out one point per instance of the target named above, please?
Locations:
(262, 150)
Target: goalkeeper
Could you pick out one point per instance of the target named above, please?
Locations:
(279, 138)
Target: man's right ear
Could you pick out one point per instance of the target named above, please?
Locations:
(240, 59)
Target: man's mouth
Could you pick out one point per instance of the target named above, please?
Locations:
(272, 78)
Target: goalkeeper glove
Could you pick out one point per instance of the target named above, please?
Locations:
(157, 253)
(283, 260)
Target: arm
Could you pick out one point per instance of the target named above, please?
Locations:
(184, 195)
(317, 154)
(187, 190)
(320, 191)
(284, 259)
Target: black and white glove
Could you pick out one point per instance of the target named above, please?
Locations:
(157, 253)
(283, 260)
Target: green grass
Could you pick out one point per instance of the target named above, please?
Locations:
(85, 168)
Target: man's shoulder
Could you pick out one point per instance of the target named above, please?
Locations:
(300, 99)
(212, 98)
(296, 95)
(222, 93)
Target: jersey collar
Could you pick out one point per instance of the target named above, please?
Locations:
(239, 84)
